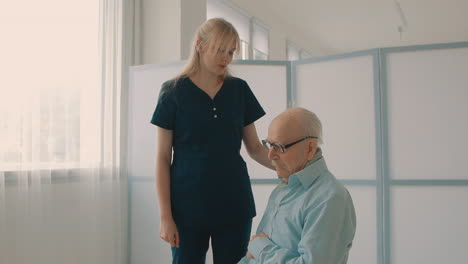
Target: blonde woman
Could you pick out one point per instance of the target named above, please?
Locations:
(202, 115)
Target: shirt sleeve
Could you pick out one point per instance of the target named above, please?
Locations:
(165, 113)
(253, 109)
(326, 237)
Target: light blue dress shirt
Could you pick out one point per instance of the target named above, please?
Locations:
(309, 220)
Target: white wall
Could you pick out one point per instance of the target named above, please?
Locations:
(168, 27)
(160, 33)
(280, 31)
(193, 13)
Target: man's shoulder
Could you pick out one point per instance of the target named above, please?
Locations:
(327, 188)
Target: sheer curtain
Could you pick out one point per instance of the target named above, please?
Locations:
(63, 198)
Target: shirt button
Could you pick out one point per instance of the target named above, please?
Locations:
(214, 108)
(215, 116)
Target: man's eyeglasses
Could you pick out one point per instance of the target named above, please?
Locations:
(280, 147)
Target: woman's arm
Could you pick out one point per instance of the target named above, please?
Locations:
(168, 229)
(254, 147)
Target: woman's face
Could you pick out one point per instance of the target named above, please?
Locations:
(215, 60)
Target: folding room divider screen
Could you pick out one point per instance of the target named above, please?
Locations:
(395, 131)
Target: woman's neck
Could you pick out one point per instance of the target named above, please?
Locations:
(206, 80)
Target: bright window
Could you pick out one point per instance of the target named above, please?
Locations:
(292, 51)
(50, 96)
(216, 8)
(254, 35)
(260, 40)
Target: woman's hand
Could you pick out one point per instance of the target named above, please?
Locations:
(168, 231)
(254, 148)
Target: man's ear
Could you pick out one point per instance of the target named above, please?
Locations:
(312, 148)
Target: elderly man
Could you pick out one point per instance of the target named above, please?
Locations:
(310, 216)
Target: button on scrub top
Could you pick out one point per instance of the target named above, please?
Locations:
(210, 184)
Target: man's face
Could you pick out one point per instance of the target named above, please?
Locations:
(284, 130)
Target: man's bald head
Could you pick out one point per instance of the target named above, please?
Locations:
(300, 122)
(291, 133)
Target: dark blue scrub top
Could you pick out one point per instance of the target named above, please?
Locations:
(210, 184)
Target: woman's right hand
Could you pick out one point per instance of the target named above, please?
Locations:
(168, 231)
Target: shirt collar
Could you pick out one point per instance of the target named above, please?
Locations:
(312, 170)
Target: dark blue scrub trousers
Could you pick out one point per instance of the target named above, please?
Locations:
(229, 244)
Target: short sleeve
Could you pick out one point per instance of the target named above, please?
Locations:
(253, 109)
(165, 113)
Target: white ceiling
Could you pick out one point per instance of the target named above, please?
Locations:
(348, 25)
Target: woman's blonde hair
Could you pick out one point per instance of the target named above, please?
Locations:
(214, 34)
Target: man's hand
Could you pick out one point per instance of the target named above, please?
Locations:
(257, 236)
(249, 255)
